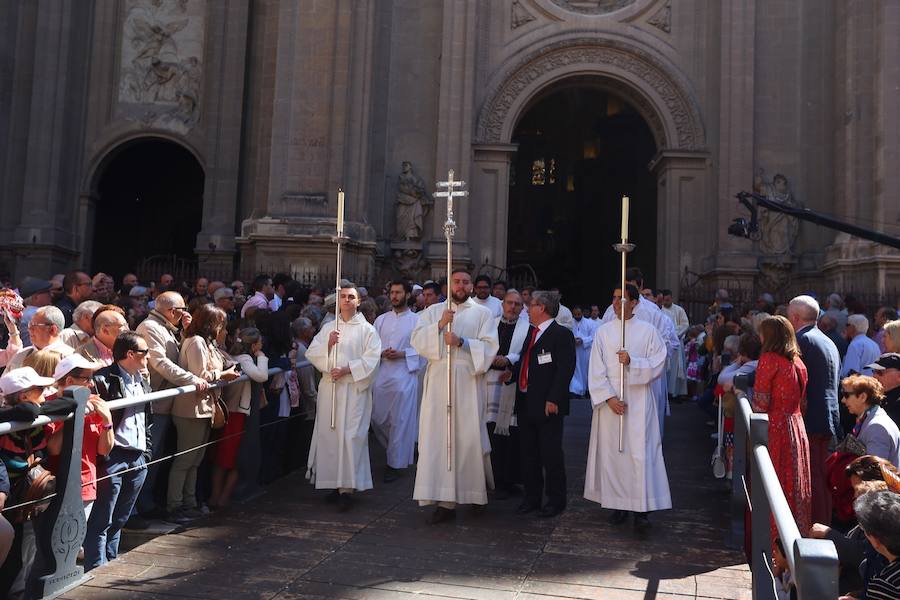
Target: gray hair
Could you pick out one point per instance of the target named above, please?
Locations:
(85, 309)
(835, 301)
(549, 300)
(860, 323)
(878, 513)
(805, 307)
(53, 315)
(299, 325)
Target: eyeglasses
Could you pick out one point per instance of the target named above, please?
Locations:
(144, 351)
(179, 308)
(847, 394)
(32, 324)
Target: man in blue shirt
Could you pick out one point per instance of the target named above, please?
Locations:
(126, 462)
(862, 350)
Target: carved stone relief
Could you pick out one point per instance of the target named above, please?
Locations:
(662, 19)
(161, 65)
(519, 15)
(593, 54)
(593, 7)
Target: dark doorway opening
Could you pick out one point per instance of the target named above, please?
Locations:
(150, 204)
(581, 149)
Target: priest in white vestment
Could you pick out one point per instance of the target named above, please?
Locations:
(634, 480)
(484, 297)
(339, 457)
(473, 344)
(649, 312)
(676, 374)
(583, 329)
(395, 393)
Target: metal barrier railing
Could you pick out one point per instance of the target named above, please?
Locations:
(813, 563)
(58, 542)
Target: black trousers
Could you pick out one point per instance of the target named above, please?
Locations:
(505, 452)
(542, 459)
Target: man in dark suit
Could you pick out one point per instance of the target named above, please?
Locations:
(822, 417)
(542, 377)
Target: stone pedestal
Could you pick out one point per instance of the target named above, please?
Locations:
(407, 260)
(855, 265)
(303, 247)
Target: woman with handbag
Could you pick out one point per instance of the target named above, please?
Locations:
(780, 391)
(875, 432)
(194, 414)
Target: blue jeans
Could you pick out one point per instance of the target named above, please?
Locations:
(160, 428)
(115, 498)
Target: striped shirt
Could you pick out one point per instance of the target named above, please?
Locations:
(885, 585)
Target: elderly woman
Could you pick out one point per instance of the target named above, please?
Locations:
(874, 429)
(892, 336)
(192, 413)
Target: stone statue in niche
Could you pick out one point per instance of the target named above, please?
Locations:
(779, 231)
(413, 200)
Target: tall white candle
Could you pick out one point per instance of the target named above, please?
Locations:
(624, 217)
(340, 215)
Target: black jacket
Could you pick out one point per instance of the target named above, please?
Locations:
(548, 382)
(110, 386)
(891, 404)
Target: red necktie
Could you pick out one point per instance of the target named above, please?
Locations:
(523, 372)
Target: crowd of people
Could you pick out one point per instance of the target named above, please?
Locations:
(467, 379)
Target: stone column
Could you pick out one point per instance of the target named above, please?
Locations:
(455, 121)
(44, 240)
(226, 45)
(683, 209)
(490, 193)
(736, 141)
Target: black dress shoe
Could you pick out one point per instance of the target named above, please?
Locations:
(442, 515)
(344, 502)
(332, 497)
(550, 511)
(392, 474)
(642, 523)
(136, 523)
(617, 517)
(527, 507)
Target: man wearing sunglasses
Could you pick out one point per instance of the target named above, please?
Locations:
(162, 331)
(125, 463)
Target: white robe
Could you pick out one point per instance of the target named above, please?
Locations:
(582, 330)
(650, 312)
(635, 479)
(564, 317)
(467, 482)
(501, 398)
(676, 376)
(495, 305)
(339, 457)
(395, 392)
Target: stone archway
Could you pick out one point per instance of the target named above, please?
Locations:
(643, 78)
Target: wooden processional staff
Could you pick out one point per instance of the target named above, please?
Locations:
(450, 189)
(338, 239)
(623, 248)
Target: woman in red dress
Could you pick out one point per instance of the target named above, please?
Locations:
(780, 391)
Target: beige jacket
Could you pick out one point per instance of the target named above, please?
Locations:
(204, 361)
(163, 341)
(237, 395)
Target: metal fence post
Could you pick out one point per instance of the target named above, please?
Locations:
(761, 552)
(739, 476)
(817, 569)
(60, 529)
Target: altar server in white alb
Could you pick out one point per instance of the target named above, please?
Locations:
(675, 372)
(484, 297)
(473, 342)
(634, 480)
(339, 457)
(583, 329)
(395, 395)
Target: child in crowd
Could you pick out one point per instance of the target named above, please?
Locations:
(784, 581)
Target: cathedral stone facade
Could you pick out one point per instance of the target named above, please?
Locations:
(283, 102)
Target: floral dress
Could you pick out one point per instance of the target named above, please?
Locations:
(779, 391)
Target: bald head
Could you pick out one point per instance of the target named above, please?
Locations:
(171, 306)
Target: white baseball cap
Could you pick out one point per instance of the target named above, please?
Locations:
(23, 378)
(74, 361)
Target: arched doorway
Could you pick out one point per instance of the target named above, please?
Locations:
(149, 203)
(580, 149)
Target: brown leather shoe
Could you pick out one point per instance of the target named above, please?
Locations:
(441, 515)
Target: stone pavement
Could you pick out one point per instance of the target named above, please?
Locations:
(290, 545)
